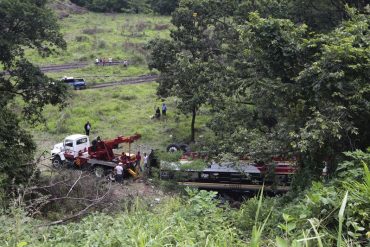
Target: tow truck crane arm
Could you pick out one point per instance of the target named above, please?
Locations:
(103, 150)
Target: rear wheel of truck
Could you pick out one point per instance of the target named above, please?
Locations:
(185, 148)
(99, 171)
(57, 162)
(111, 177)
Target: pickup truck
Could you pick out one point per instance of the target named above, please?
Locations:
(77, 83)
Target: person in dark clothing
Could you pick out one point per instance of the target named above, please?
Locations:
(87, 128)
(157, 113)
(138, 161)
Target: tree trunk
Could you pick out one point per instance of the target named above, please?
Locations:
(192, 139)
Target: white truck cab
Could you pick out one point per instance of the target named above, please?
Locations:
(71, 147)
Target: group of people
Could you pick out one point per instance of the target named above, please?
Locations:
(109, 61)
(124, 160)
(125, 163)
(158, 111)
(103, 61)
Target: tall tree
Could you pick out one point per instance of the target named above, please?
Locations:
(164, 7)
(24, 24)
(303, 92)
(188, 61)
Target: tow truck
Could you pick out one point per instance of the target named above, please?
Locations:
(76, 151)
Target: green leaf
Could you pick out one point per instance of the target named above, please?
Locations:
(21, 244)
(281, 242)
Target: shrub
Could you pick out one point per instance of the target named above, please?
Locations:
(141, 26)
(92, 31)
(127, 97)
(160, 27)
(102, 44)
(81, 38)
(170, 156)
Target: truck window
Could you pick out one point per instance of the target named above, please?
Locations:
(81, 141)
(68, 143)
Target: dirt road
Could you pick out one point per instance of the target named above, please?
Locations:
(61, 67)
(128, 81)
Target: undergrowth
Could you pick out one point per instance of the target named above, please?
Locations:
(329, 214)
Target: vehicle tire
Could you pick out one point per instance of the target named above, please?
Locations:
(57, 162)
(111, 177)
(185, 148)
(173, 148)
(99, 171)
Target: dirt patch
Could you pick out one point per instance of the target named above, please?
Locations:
(133, 189)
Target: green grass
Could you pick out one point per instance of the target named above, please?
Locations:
(92, 35)
(102, 74)
(121, 110)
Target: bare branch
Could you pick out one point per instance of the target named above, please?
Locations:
(79, 177)
(79, 214)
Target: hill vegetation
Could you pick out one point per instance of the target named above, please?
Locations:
(163, 7)
(240, 78)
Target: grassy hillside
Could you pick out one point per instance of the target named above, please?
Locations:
(95, 35)
(121, 110)
(120, 36)
(100, 74)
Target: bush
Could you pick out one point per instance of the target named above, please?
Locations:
(81, 38)
(164, 7)
(92, 31)
(160, 27)
(102, 44)
(170, 156)
(194, 220)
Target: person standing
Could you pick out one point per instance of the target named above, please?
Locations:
(138, 161)
(87, 128)
(145, 161)
(110, 61)
(157, 113)
(164, 109)
(118, 169)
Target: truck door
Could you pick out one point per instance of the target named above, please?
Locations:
(82, 144)
(69, 147)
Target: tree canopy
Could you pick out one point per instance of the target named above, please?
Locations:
(278, 82)
(26, 24)
(187, 61)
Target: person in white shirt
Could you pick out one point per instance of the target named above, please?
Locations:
(145, 161)
(119, 172)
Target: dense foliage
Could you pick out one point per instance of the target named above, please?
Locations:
(298, 91)
(163, 7)
(280, 77)
(312, 218)
(278, 82)
(24, 24)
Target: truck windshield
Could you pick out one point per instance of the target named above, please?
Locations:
(68, 143)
